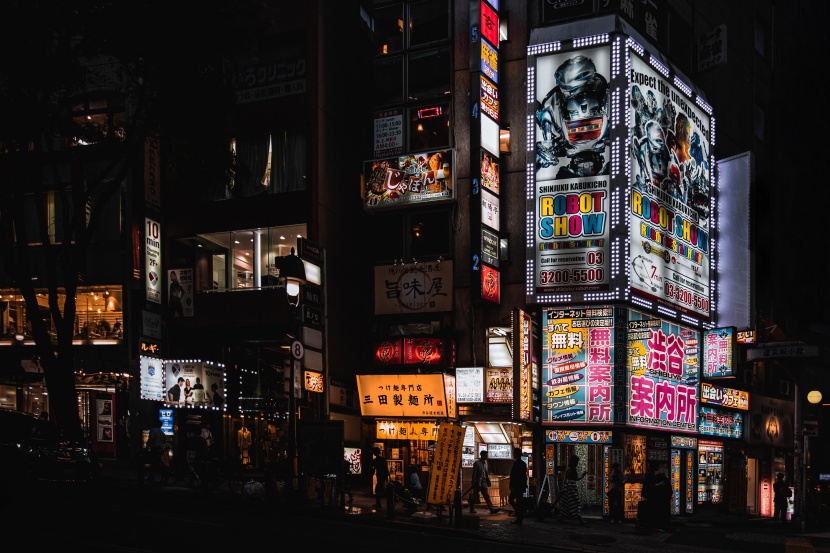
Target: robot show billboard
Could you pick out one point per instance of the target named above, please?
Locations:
(663, 375)
(572, 202)
(670, 193)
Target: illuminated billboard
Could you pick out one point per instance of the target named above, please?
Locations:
(719, 351)
(670, 192)
(663, 375)
(402, 395)
(572, 185)
(578, 365)
(412, 179)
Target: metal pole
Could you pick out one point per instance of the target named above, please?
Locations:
(799, 462)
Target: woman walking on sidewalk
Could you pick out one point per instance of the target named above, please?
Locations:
(571, 503)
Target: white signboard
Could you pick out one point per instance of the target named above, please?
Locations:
(469, 385)
(490, 210)
(388, 132)
(152, 260)
(152, 378)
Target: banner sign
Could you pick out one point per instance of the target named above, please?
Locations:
(469, 384)
(406, 430)
(445, 470)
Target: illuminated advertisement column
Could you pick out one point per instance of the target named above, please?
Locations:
(485, 210)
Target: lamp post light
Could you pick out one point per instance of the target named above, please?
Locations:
(292, 273)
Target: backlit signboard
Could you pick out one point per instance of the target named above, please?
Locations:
(406, 430)
(670, 192)
(578, 352)
(499, 385)
(717, 422)
(469, 384)
(719, 350)
(152, 378)
(198, 377)
(523, 344)
(412, 179)
(571, 187)
(726, 397)
(663, 375)
(414, 288)
(152, 260)
(402, 395)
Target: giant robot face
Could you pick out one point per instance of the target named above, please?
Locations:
(582, 100)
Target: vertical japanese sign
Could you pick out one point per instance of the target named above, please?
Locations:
(719, 349)
(572, 185)
(152, 260)
(663, 375)
(446, 464)
(484, 144)
(670, 193)
(523, 379)
(578, 365)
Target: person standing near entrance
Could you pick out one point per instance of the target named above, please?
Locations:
(381, 470)
(571, 502)
(781, 498)
(518, 486)
(481, 484)
(615, 494)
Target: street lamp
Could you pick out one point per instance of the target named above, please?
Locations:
(292, 271)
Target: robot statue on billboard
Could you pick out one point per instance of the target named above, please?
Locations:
(573, 118)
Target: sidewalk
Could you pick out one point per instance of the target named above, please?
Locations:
(699, 533)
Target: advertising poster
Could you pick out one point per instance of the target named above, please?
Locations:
(578, 365)
(446, 464)
(499, 384)
(670, 197)
(572, 196)
(180, 292)
(104, 422)
(663, 375)
(152, 378)
(194, 380)
(152, 260)
(409, 180)
(469, 384)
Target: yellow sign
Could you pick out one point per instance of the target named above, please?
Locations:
(402, 395)
(406, 430)
(445, 471)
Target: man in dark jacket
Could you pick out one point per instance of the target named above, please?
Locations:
(518, 486)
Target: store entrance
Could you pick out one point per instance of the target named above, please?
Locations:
(590, 487)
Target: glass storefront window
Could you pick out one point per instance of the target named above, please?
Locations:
(387, 81)
(99, 313)
(244, 259)
(429, 127)
(388, 29)
(428, 22)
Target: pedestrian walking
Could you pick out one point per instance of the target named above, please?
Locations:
(156, 440)
(481, 485)
(616, 487)
(518, 486)
(381, 470)
(571, 503)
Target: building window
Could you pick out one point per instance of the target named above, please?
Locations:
(268, 163)
(97, 119)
